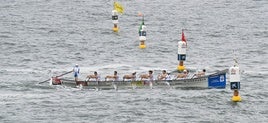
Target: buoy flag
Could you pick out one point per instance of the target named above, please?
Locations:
(183, 37)
(139, 14)
(118, 7)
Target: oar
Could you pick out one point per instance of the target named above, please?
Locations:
(64, 73)
(193, 76)
(43, 81)
(56, 76)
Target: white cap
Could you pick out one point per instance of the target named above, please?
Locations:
(76, 64)
(184, 70)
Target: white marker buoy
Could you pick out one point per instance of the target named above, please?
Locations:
(234, 74)
(142, 37)
(115, 20)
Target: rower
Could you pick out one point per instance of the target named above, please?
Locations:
(114, 77)
(163, 75)
(131, 76)
(168, 77)
(149, 77)
(200, 73)
(183, 75)
(94, 76)
(56, 81)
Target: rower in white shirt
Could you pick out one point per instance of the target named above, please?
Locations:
(95, 76)
(114, 77)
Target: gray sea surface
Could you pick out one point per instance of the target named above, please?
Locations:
(44, 38)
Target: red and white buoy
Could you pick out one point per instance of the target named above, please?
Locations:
(182, 47)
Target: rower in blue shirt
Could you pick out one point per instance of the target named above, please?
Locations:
(76, 70)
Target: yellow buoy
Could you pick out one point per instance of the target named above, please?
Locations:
(180, 68)
(115, 29)
(142, 46)
(236, 99)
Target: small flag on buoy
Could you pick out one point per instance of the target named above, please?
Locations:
(118, 7)
(183, 37)
(139, 14)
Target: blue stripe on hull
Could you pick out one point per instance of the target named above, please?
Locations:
(217, 81)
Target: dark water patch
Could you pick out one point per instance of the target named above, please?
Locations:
(5, 36)
(9, 44)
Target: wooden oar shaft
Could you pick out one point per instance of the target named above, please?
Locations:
(64, 74)
(56, 76)
(43, 81)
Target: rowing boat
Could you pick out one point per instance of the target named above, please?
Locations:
(215, 80)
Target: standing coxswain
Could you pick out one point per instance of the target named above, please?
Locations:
(76, 71)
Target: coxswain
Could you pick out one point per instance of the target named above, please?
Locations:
(76, 71)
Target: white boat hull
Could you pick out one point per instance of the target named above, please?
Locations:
(217, 80)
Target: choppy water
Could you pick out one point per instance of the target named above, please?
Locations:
(41, 38)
